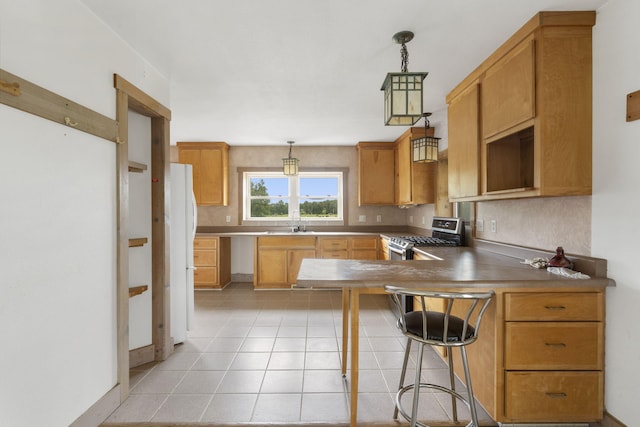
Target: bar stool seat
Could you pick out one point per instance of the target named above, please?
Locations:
(439, 329)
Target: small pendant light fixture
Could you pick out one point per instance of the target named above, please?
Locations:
(403, 91)
(290, 164)
(425, 149)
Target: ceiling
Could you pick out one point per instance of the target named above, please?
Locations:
(261, 72)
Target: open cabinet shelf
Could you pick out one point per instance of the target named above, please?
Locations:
(137, 290)
(137, 167)
(138, 241)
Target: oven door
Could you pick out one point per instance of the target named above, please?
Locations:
(397, 254)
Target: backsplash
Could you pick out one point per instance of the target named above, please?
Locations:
(326, 156)
(541, 223)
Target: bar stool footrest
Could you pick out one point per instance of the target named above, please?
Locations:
(438, 387)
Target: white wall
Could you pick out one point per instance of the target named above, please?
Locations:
(616, 197)
(58, 215)
(140, 258)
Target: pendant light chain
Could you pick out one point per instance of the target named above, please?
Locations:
(404, 55)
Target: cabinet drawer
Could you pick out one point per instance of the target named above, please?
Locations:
(333, 244)
(553, 345)
(554, 306)
(294, 242)
(205, 243)
(368, 254)
(204, 258)
(554, 396)
(205, 275)
(335, 254)
(364, 243)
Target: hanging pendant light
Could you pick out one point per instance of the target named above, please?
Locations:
(403, 91)
(425, 149)
(290, 164)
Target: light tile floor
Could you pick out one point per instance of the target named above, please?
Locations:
(274, 357)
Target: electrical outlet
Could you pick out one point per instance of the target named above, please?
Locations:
(228, 218)
(479, 225)
(424, 221)
(362, 218)
(494, 225)
(378, 218)
(410, 219)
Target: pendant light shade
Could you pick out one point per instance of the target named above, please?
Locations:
(425, 149)
(403, 91)
(290, 164)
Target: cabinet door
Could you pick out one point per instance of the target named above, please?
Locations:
(272, 267)
(210, 161)
(404, 172)
(464, 143)
(376, 173)
(212, 168)
(415, 182)
(295, 259)
(192, 157)
(508, 90)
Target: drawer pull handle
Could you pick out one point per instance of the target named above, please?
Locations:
(555, 307)
(555, 344)
(556, 395)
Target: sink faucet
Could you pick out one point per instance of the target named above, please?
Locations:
(297, 225)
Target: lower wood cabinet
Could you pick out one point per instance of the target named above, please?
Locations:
(212, 260)
(278, 259)
(554, 357)
(363, 247)
(348, 247)
(539, 357)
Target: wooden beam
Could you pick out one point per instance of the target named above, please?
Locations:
(160, 187)
(122, 278)
(30, 98)
(139, 101)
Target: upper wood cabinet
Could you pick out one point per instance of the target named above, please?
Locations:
(210, 161)
(464, 144)
(524, 115)
(376, 173)
(508, 86)
(415, 182)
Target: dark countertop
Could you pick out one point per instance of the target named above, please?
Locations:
(459, 267)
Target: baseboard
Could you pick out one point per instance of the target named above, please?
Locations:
(241, 278)
(610, 421)
(99, 411)
(142, 355)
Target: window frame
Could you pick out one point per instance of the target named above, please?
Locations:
(245, 175)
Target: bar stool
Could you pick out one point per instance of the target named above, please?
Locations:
(439, 329)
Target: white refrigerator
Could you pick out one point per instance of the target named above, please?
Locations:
(183, 220)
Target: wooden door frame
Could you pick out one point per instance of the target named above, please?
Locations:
(129, 97)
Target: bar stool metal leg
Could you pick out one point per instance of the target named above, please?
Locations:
(416, 386)
(403, 373)
(467, 377)
(452, 381)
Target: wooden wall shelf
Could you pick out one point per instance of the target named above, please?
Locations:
(138, 241)
(137, 167)
(137, 290)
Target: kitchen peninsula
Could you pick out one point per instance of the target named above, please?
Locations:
(540, 355)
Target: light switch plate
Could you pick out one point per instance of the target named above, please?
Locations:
(479, 225)
(362, 218)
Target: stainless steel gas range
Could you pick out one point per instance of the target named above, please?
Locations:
(445, 232)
